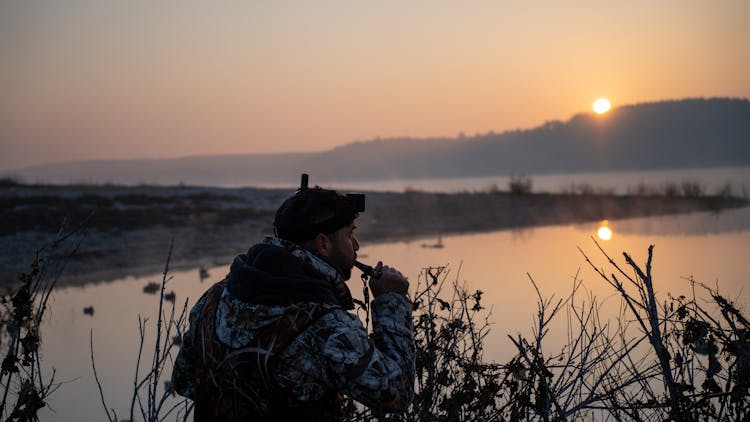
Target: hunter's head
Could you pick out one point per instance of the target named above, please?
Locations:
(322, 221)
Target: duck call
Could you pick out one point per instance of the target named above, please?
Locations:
(366, 269)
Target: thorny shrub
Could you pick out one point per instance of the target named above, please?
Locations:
(24, 386)
(681, 359)
(452, 380)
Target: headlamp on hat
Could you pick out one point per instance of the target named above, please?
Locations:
(311, 211)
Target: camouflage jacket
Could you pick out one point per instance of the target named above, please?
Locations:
(332, 354)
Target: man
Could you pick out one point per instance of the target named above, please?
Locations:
(274, 340)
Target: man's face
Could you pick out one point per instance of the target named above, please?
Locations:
(344, 250)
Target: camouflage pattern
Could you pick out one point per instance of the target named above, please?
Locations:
(336, 353)
(235, 384)
(328, 353)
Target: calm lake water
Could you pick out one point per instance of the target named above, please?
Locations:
(714, 248)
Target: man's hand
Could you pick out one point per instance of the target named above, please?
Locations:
(386, 279)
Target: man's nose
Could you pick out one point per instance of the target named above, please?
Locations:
(355, 243)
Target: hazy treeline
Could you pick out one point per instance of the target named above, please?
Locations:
(664, 135)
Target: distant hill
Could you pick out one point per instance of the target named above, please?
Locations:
(662, 135)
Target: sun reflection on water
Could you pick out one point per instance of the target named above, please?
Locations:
(604, 232)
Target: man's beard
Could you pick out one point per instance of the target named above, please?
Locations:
(341, 264)
(346, 273)
(345, 270)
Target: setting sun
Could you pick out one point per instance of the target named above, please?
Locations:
(602, 105)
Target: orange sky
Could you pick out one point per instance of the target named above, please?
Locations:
(86, 79)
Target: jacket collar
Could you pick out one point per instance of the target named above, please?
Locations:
(324, 268)
(278, 272)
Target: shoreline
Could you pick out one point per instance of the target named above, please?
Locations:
(129, 229)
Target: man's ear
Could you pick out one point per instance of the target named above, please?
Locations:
(323, 245)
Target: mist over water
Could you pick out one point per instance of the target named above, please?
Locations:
(712, 179)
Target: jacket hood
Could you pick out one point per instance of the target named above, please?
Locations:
(276, 274)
